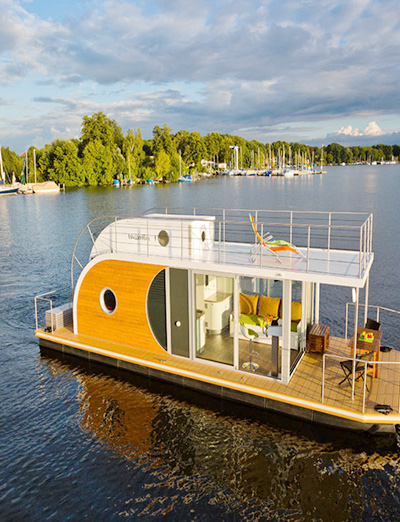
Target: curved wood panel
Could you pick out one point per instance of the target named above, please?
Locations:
(128, 325)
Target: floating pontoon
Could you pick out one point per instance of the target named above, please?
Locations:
(173, 294)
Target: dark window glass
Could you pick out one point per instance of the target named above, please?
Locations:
(163, 238)
(109, 301)
(156, 308)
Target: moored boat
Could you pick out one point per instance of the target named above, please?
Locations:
(211, 301)
(186, 178)
(8, 190)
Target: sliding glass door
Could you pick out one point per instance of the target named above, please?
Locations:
(214, 328)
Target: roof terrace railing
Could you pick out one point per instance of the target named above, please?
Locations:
(309, 231)
(297, 226)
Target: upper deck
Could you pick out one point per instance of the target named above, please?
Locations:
(334, 247)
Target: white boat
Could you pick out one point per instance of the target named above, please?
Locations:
(7, 190)
(290, 172)
(186, 178)
(207, 300)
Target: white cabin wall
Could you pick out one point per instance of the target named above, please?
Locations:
(199, 291)
(286, 318)
(211, 288)
(317, 297)
(225, 285)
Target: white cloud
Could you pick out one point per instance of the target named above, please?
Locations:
(348, 131)
(260, 64)
(372, 129)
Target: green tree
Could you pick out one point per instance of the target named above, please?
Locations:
(98, 164)
(163, 140)
(195, 150)
(12, 163)
(212, 143)
(100, 127)
(133, 151)
(177, 167)
(66, 166)
(45, 159)
(162, 164)
(385, 151)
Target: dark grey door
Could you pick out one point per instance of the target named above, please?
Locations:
(179, 302)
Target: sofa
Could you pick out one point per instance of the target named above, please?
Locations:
(256, 309)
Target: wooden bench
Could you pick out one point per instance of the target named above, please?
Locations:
(318, 338)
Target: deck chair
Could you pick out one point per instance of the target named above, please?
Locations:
(274, 246)
(361, 367)
(371, 324)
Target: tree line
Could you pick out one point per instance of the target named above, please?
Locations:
(103, 153)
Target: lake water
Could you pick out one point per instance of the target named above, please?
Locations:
(84, 443)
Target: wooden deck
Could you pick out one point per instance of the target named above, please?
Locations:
(304, 389)
(385, 389)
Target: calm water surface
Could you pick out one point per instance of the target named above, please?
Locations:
(83, 443)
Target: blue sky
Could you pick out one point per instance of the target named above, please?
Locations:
(305, 70)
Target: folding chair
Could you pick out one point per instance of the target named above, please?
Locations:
(371, 324)
(361, 368)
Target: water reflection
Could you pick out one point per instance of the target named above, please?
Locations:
(195, 450)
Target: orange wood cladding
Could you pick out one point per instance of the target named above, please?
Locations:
(128, 324)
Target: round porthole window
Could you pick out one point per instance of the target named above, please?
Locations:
(108, 301)
(163, 238)
(203, 236)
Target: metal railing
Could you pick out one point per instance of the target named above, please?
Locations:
(367, 364)
(378, 310)
(51, 299)
(312, 232)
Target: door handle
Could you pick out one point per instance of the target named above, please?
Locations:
(178, 324)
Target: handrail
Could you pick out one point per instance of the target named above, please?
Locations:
(365, 362)
(320, 234)
(41, 297)
(270, 211)
(378, 309)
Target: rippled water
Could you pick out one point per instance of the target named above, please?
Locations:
(81, 442)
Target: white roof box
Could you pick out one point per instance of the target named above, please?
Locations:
(166, 235)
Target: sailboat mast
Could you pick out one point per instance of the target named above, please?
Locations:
(26, 167)
(34, 163)
(1, 167)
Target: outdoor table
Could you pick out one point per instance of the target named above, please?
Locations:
(366, 346)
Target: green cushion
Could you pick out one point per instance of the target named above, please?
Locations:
(250, 319)
(257, 320)
(293, 326)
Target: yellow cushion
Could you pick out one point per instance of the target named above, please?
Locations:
(296, 311)
(269, 306)
(248, 304)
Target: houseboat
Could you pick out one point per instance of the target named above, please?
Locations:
(227, 302)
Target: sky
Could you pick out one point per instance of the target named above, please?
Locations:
(310, 71)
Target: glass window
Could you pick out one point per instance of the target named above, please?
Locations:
(297, 313)
(214, 318)
(163, 238)
(260, 326)
(156, 308)
(108, 301)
